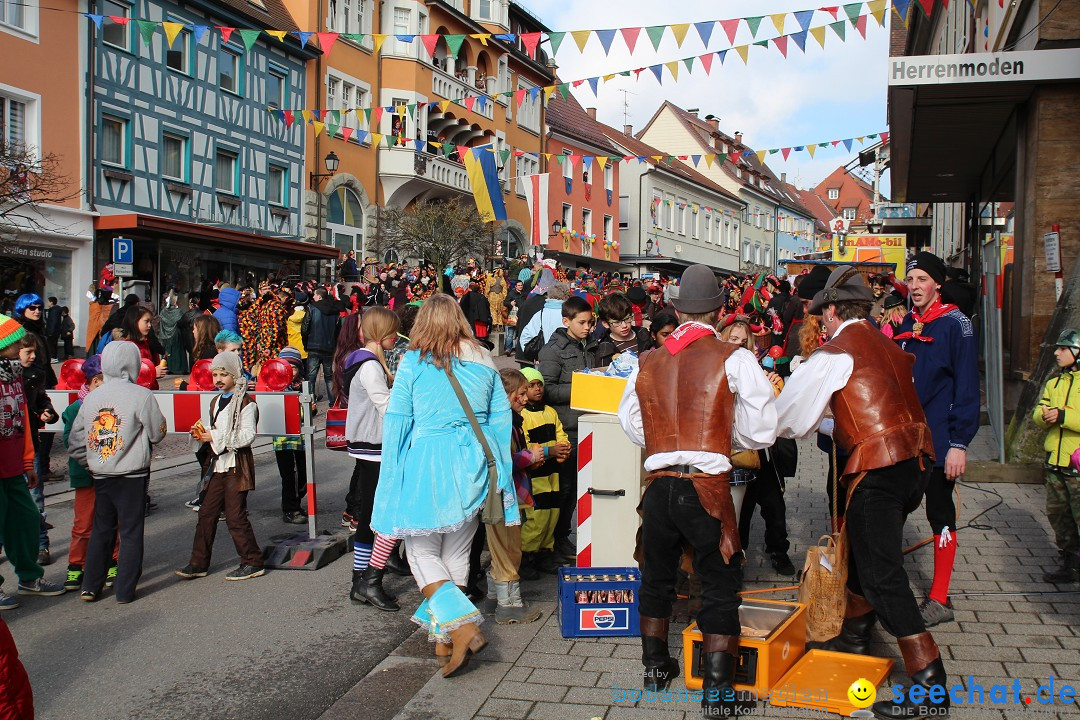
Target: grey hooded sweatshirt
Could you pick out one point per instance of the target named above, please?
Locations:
(118, 422)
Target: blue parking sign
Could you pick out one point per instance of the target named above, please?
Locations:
(123, 250)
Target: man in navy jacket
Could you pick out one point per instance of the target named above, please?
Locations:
(947, 380)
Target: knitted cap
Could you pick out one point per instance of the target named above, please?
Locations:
(229, 362)
(10, 331)
(91, 367)
(532, 374)
(290, 355)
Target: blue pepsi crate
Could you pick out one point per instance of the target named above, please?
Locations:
(599, 601)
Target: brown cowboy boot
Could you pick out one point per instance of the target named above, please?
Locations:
(923, 664)
(442, 650)
(467, 641)
(660, 667)
(854, 637)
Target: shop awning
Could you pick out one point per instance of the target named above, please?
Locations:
(952, 119)
(595, 263)
(158, 227)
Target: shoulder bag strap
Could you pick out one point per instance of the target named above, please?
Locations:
(493, 471)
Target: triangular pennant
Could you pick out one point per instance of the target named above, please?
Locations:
(326, 41)
(430, 41)
(249, 37)
(482, 37)
(306, 115)
(444, 105)
(504, 155)
(657, 70)
(376, 115)
(376, 139)
(927, 6)
(673, 68)
(564, 90)
(753, 23)
(832, 10)
(419, 145)
(303, 37)
(453, 44)
(706, 62)
(734, 156)
(581, 37)
(743, 51)
(630, 36)
(519, 96)
(710, 158)
(279, 114)
(800, 39)
(900, 7)
(778, 20)
(761, 155)
(679, 31)
(555, 39)
(199, 31)
(606, 37)
(470, 102)
(884, 138)
(362, 136)
(405, 39)
(785, 152)
(289, 117)
(805, 17)
(731, 28)
(586, 162)
(852, 10)
(689, 63)
(318, 127)
(781, 44)
(529, 40)
(861, 138)
(548, 92)
(602, 161)
(96, 18)
(120, 19)
(378, 39)
(839, 28)
(147, 30)
(594, 83)
(696, 159)
(482, 101)
(762, 43)
(860, 25)
(656, 34)
(721, 54)
(847, 144)
(877, 9)
(172, 29)
(819, 35)
(279, 34)
(704, 31)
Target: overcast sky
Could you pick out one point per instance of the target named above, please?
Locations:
(810, 97)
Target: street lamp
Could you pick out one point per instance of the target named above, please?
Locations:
(648, 246)
(331, 161)
(556, 228)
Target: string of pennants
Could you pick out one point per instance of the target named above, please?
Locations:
(453, 41)
(479, 101)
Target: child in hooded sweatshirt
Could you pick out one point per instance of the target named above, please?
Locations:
(228, 472)
(113, 436)
(83, 485)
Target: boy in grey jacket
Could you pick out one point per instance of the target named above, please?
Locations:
(112, 437)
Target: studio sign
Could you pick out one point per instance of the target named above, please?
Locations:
(27, 252)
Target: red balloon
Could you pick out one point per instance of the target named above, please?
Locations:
(275, 375)
(147, 374)
(71, 375)
(201, 378)
(776, 352)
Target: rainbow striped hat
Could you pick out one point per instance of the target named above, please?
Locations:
(10, 331)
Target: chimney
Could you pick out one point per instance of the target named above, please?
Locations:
(628, 130)
(783, 178)
(592, 112)
(693, 111)
(713, 122)
(738, 138)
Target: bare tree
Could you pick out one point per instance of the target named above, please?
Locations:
(26, 181)
(439, 232)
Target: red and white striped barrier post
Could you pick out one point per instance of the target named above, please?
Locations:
(584, 500)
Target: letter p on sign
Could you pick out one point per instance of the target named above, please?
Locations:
(123, 250)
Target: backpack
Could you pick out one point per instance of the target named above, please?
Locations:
(530, 351)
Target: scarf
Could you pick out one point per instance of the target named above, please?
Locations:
(682, 336)
(235, 406)
(935, 310)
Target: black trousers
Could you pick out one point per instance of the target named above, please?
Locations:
(875, 528)
(119, 505)
(361, 498)
(567, 493)
(940, 503)
(766, 492)
(671, 515)
(293, 472)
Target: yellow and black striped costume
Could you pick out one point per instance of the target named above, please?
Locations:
(542, 427)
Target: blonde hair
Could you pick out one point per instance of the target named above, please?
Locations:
(377, 324)
(725, 334)
(894, 315)
(441, 331)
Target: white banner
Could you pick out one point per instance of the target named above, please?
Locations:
(535, 188)
(1027, 65)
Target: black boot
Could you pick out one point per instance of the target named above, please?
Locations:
(923, 663)
(476, 590)
(660, 667)
(367, 588)
(854, 636)
(397, 563)
(719, 658)
(1069, 572)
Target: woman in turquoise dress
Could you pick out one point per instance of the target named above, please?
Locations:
(434, 477)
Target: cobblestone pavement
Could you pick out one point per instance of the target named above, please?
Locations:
(531, 671)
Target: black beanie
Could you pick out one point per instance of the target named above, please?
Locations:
(930, 264)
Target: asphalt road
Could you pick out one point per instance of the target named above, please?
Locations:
(286, 645)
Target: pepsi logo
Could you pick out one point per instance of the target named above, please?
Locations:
(604, 619)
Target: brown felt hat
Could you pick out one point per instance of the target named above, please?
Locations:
(698, 291)
(845, 283)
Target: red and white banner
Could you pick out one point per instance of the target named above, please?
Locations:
(535, 188)
(279, 413)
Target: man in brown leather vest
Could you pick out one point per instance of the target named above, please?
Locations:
(866, 382)
(687, 405)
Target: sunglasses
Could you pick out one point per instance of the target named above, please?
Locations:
(35, 308)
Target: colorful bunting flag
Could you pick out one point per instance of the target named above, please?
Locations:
(731, 28)
(679, 32)
(656, 34)
(704, 31)
(249, 38)
(630, 36)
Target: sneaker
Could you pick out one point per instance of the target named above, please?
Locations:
(89, 596)
(188, 572)
(934, 613)
(194, 503)
(110, 576)
(74, 579)
(221, 516)
(782, 564)
(347, 521)
(245, 572)
(41, 586)
(7, 602)
(43, 557)
(294, 518)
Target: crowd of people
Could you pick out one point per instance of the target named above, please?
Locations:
(453, 456)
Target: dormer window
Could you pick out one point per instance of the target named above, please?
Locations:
(834, 193)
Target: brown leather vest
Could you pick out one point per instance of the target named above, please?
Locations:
(879, 419)
(685, 400)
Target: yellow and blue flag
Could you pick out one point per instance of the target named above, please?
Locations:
(484, 178)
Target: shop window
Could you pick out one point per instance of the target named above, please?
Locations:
(116, 34)
(229, 70)
(277, 185)
(226, 172)
(114, 141)
(174, 157)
